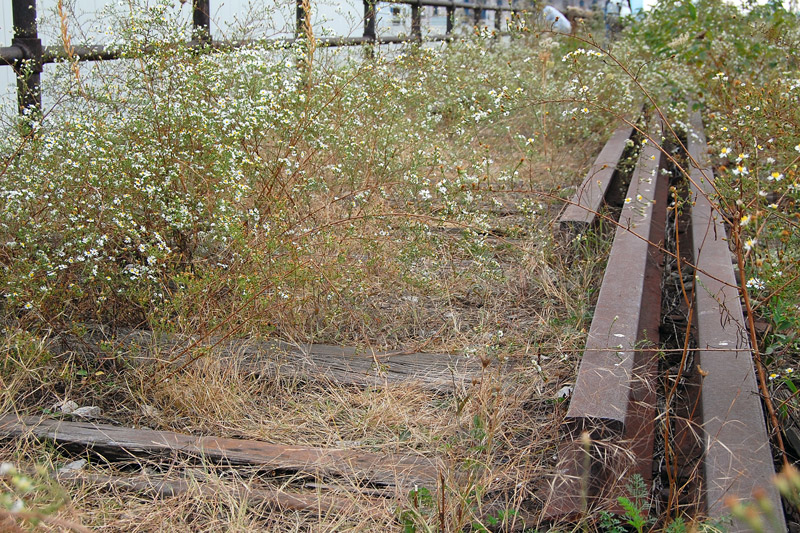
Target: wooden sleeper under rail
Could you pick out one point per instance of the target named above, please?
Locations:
(312, 502)
(388, 471)
(437, 373)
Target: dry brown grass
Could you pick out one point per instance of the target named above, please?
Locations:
(496, 285)
(497, 438)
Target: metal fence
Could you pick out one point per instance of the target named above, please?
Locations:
(27, 55)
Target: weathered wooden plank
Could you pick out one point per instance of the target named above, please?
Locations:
(115, 443)
(347, 366)
(737, 455)
(582, 210)
(438, 372)
(280, 500)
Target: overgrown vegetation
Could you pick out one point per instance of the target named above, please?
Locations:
(392, 198)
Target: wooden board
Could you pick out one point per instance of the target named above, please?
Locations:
(442, 373)
(115, 443)
(281, 500)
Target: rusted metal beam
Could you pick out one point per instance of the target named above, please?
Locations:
(737, 448)
(201, 21)
(11, 54)
(451, 19)
(628, 307)
(476, 13)
(369, 20)
(581, 212)
(613, 400)
(448, 3)
(27, 55)
(29, 67)
(416, 21)
(300, 19)
(53, 54)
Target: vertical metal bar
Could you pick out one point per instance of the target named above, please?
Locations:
(300, 18)
(451, 15)
(201, 21)
(498, 16)
(26, 37)
(416, 21)
(369, 19)
(477, 13)
(301, 33)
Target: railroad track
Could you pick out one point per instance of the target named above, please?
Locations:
(688, 423)
(703, 402)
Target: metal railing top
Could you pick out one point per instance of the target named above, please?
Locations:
(27, 55)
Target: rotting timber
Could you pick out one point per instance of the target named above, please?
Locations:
(440, 373)
(717, 441)
(385, 471)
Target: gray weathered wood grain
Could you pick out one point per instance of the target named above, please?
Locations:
(442, 373)
(116, 443)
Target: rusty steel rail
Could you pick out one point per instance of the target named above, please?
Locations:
(27, 55)
(614, 396)
(612, 414)
(628, 308)
(581, 212)
(737, 449)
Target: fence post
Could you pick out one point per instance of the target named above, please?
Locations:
(300, 20)
(201, 21)
(369, 28)
(451, 15)
(477, 13)
(26, 38)
(369, 20)
(498, 16)
(416, 21)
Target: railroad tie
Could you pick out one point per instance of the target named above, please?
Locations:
(391, 472)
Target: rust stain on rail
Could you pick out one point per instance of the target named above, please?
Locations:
(614, 396)
(737, 449)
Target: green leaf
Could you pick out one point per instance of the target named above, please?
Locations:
(633, 514)
(692, 10)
